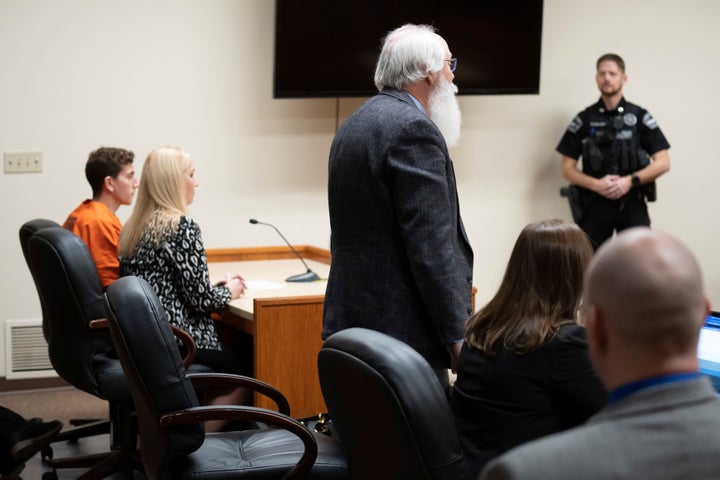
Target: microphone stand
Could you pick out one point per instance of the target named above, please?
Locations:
(309, 275)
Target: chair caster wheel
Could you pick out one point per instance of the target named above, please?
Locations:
(46, 453)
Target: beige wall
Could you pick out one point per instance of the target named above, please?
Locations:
(78, 74)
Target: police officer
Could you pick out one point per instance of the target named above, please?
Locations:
(623, 151)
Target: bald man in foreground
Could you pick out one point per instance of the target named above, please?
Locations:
(646, 304)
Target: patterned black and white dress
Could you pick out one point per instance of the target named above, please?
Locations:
(177, 271)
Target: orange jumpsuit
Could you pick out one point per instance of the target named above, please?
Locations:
(100, 229)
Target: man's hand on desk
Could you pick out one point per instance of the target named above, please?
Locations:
(235, 283)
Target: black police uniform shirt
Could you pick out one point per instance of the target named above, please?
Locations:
(650, 136)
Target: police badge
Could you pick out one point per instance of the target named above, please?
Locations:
(630, 119)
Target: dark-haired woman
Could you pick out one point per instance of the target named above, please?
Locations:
(524, 370)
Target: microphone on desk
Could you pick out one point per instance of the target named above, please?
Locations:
(309, 275)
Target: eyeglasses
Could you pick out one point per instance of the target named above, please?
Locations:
(453, 64)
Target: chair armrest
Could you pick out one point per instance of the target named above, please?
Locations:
(187, 340)
(98, 324)
(235, 412)
(188, 343)
(203, 381)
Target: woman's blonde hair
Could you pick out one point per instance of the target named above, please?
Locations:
(541, 289)
(161, 199)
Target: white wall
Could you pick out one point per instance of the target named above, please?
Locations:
(78, 74)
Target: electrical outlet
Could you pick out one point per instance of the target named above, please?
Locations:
(23, 162)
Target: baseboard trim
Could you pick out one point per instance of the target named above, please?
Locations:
(22, 384)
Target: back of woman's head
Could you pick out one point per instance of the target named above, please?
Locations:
(160, 198)
(541, 289)
(161, 183)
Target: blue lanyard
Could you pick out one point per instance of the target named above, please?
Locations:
(629, 388)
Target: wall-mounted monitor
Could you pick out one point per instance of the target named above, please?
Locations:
(328, 48)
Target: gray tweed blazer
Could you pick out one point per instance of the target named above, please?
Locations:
(669, 431)
(401, 261)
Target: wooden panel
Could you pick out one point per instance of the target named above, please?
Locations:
(287, 342)
(314, 253)
(267, 253)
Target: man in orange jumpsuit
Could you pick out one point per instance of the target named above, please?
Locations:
(111, 175)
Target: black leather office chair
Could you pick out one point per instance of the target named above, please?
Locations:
(83, 427)
(173, 442)
(72, 299)
(388, 409)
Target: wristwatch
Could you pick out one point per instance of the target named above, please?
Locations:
(635, 180)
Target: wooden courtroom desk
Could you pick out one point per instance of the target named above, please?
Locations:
(285, 319)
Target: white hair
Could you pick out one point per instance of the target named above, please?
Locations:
(408, 54)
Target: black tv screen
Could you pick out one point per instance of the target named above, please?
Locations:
(328, 48)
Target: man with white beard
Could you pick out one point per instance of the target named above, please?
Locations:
(401, 261)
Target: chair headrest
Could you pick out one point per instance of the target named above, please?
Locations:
(30, 228)
(388, 407)
(60, 254)
(401, 366)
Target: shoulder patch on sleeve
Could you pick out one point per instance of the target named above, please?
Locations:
(649, 121)
(575, 124)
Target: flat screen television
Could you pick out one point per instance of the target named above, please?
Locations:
(328, 48)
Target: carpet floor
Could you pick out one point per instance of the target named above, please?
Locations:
(61, 404)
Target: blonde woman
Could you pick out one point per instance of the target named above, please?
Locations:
(163, 245)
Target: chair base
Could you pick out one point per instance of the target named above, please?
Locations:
(84, 429)
(123, 455)
(100, 465)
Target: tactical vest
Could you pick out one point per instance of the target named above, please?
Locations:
(612, 145)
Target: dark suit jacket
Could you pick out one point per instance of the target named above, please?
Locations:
(401, 262)
(500, 401)
(669, 431)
